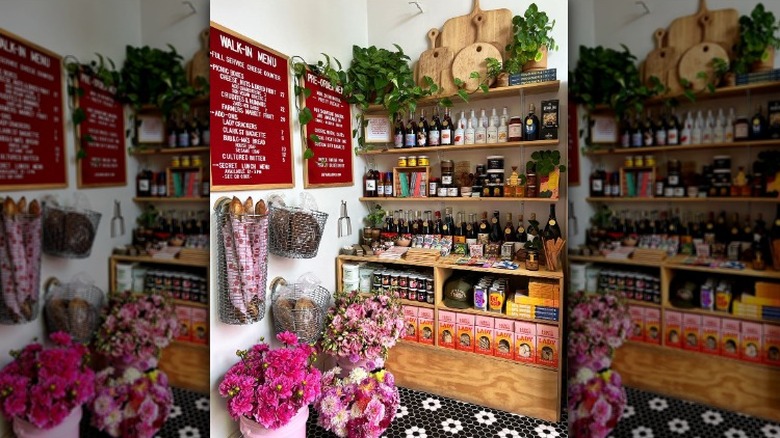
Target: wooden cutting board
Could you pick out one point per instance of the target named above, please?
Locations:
(472, 57)
(199, 64)
(437, 63)
(724, 29)
(659, 61)
(685, 32)
(458, 32)
(699, 59)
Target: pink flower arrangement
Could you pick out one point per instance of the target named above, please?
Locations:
(42, 386)
(136, 328)
(270, 386)
(131, 402)
(363, 327)
(596, 401)
(598, 324)
(361, 405)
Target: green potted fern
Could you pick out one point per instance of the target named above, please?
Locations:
(757, 41)
(531, 40)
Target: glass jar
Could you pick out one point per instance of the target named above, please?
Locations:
(423, 160)
(411, 161)
(532, 260)
(515, 128)
(401, 161)
(433, 187)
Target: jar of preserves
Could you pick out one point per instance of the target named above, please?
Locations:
(515, 128)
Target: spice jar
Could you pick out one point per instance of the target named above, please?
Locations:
(530, 185)
(639, 161)
(197, 161)
(185, 161)
(628, 161)
(175, 161)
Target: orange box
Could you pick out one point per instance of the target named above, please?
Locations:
(446, 331)
(691, 332)
(637, 323)
(730, 337)
(672, 329)
(184, 315)
(771, 354)
(525, 342)
(464, 326)
(410, 322)
(504, 338)
(425, 333)
(750, 347)
(547, 345)
(200, 325)
(652, 325)
(484, 341)
(710, 334)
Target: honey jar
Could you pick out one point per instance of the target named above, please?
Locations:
(422, 160)
(402, 161)
(411, 161)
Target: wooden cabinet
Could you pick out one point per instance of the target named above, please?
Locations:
(521, 388)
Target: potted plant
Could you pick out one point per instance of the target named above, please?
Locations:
(757, 41)
(547, 166)
(374, 220)
(269, 391)
(26, 394)
(497, 72)
(361, 329)
(361, 405)
(131, 402)
(531, 40)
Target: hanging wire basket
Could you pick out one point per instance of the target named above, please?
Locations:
(242, 265)
(296, 232)
(73, 308)
(20, 268)
(68, 232)
(300, 311)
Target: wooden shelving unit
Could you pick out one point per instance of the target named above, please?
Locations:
(735, 200)
(463, 147)
(170, 199)
(458, 199)
(612, 150)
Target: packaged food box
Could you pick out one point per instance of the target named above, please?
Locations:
(730, 337)
(425, 331)
(464, 327)
(672, 329)
(525, 342)
(446, 331)
(653, 325)
(484, 335)
(691, 332)
(637, 314)
(771, 354)
(504, 338)
(710, 334)
(184, 315)
(547, 345)
(750, 347)
(410, 321)
(200, 325)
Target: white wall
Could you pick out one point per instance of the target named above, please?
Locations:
(172, 22)
(303, 28)
(79, 28)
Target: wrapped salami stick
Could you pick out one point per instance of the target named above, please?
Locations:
(258, 239)
(8, 269)
(32, 235)
(235, 293)
(245, 262)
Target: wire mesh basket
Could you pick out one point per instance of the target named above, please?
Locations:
(73, 308)
(295, 232)
(68, 232)
(242, 265)
(20, 268)
(299, 311)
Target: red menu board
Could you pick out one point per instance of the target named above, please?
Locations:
(331, 123)
(251, 141)
(102, 135)
(32, 125)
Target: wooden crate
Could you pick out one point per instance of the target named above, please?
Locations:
(425, 170)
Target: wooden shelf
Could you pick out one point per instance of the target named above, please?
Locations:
(642, 303)
(612, 150)
(722, 92)
(190, 344)
(376, 259)
(169, 199)
(501, 315)
(457, 199)
(164, 150)
(676, 263)
(456, 148)
(735, 199)
(416, 304)
(706, 312)
(159, 261)
(471, 353)
(602, 259)
(189, 303)
(511, 91)
(541, 273)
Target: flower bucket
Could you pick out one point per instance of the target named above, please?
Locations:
(294, 429)
(69, 428)
(347, 366)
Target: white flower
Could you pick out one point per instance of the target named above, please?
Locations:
(451, 426)
(713, 418)
(174, 412)
(642, 432)
(734, 433)
(202, 404)
(658, 404)
(507, 433)
(431, 404)
(546, 431)
(679, 426)
(189, 432)
(357, 375)
(628, 412)
(402, 412)
(771, 431)
(485, 417)
(584, 374)
(416, 432)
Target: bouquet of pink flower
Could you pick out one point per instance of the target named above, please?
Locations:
(596, 401)
(361, 405)
(131, 402)
(136, 328)
(598, 324)
(270, 386)
(363, 327)
(42, 386)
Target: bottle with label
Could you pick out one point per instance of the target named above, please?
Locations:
(162, 184)
(194, 131)
(660, 130)
(647, 130)
(427, 223)
(448, 228)
(718, 130)
(183, 136)
(520, 233)
(437, 223)
(445, 133)
(709, 128)
(469, 135)
(728, 129)
(480, 131)
(636, 132)
(460, 129)
(509, 229)
(552, 230)
(503, 129)
(460, 228)
(389, 185)
(399, 136)
(410, 137)
(416, 223)
(531, 125)
(673, 129)
(205, 131)
(483, 230)
(369, 184)
(173, 132)
(380, 185)
(758, 125)
(698, 128)
(492, 128)
(533, 228)
(596, 183)
(515, 128)
(473, 119)
(471, 228)
(496, 233)
(434, 128)
(687, 130)
(422, 130)
(143, 183)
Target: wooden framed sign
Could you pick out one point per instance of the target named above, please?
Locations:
(102, 135)
(604, 129)
(378, 129)
(251, 147)
(150, 129)
(32, 123)
(331, 165)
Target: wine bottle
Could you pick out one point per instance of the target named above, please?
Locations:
(400, 132)
(483, 232)
(445, 133)
(625, 131)
(647, 130)
(437, 223)
(503, 129)
(552, 230)
(596, 183)
(410, 137)
(509, 229)
(416, 225)
(422, 130)
(673, 129)
(471, 228)
(369, 184)
(520, 233)
(194, 131)
(448, 227)
(531, 124)
(427, 224)
(496, 233)
(434, 128)
(758, 125)
(660, 130)
(183, 136)
(143, 183)
(533, 228)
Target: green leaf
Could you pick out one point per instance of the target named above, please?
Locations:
(305, 116)
(314, 137)
(474, 75)
(308, 153)
(78, 116)
(81, 154)
(463, 95)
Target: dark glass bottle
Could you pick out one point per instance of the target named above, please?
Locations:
(758, 125)
(531, 125)
(659, 130)
(484, 227)
(143, 183)
(721, 228)
(416, 226)
(636, 132)
(427, 223)
(496, 233)
(533, 227)
(597, 183)
(520, 233)
(448, 228)
(438, 224)
(734, 234)
(400, 132)
(369, 184)
(552, 230)
(422, 130)
(746, 232)
(434, 128)
(509, 229)
(445, 134)
(410, 137)
(471, 227)
(647, 130)
(460, 227)
(673, 130)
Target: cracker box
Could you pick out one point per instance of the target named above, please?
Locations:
(484, 335)
(672, 329)
(710, 334)
(504, 337)
(525, 342)
(547, 345)
(691, 339)
(771, 354)
(200, 325)
(446, 331)
(652, 325)
(425, 332)
(750, 347)
(637, 323)
(549, 122)
(184, 315)
(464, 327)
(730, 337)
(410, 321)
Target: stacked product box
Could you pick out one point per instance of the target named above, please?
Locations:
(547, 345)
(484, 336)
(446, 329)
(730, 337)
(637, 314)
(710, 334)
(750, 345)
(184, 316)
(425, 330)
(672, 329)
(691, 332)
(645, 324)
(530, 77)
(464, 329)
(525, 341)
(504, 333)
(771, 353)
(410, 322)
(540, 301)
(200, 325)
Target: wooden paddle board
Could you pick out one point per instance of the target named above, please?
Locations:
(459, 32)
(658, 61)
(699, 59)
(436, 63)
(472, 57)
